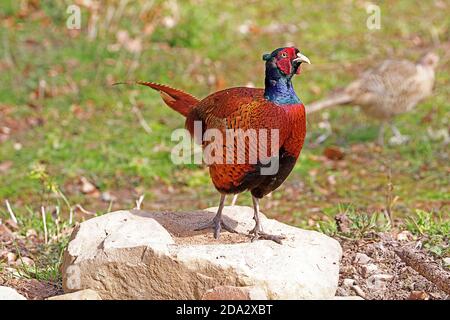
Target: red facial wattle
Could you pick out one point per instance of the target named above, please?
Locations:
(285, 66)
(285, 61)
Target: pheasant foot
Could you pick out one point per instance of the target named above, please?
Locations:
(216, 225)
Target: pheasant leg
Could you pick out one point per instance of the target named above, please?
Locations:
(398, 138)
(257, 232)
(217, 223)
(381, 134)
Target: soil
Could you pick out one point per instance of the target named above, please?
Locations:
(390, 279)
(369, 267)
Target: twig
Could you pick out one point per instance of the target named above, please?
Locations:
(70, 216)
(11, 213)
(44, 221)
(359, 291)
(79, 207)
(140, 117)
(110, 206)
(57, 223)
(426, 267)
(139, 202)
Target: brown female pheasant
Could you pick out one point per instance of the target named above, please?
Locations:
(391, 88)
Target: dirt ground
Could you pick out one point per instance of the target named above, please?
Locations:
(371, 269)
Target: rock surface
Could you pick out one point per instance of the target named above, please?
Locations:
(7, 293)
(158, 255)
(347, 298)
(235, 293)
(87, 294)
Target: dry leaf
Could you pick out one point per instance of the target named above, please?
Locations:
(5, 166)
(334, 153)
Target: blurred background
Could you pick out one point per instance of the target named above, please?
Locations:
(75, 145)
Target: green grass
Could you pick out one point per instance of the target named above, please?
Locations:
(86, 126)
(434, 229)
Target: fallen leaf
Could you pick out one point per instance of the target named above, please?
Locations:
(5, 166)
(334, 153)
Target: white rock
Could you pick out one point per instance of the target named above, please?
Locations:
(404, 236)
(7, 293)
(130, 255)
(447, 261)
(11, 257)
(87, 294)
(368, 269)
(348, 282)
(362, 258)
(378, 281)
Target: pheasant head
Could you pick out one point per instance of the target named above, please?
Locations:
(281, 65)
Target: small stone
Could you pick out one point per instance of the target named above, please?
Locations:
(17, 146)
(87, 187)
(378, 281)
(31, 233)
(368, 269)
(418, 295)
(25, 261)
(362, 258)
(11, 224)
(7, 293)
(5, 233)
(383, 277)
(348, 282)
(404, 236)
(342, 292)
(87, 294)
(108, 197)
(11, 257)
(447, 261)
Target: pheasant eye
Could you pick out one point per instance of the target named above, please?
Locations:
(284, 55)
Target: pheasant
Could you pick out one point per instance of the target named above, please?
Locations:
(276, 108)
(391, 88)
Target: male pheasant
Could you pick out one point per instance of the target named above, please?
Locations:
(391, 88)
(276, 108)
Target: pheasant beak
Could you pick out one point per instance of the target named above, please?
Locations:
(301, 58)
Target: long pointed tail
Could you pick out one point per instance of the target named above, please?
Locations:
(178, 100)
(337, 99)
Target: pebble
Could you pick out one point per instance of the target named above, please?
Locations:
(11, 257)
(25, 261)
(418, 295)
(31, 233)
(348, 282)
(447, 261)
(404, 236)
(362, 258)
(108, 197)
(368, 269)
(379, 280)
